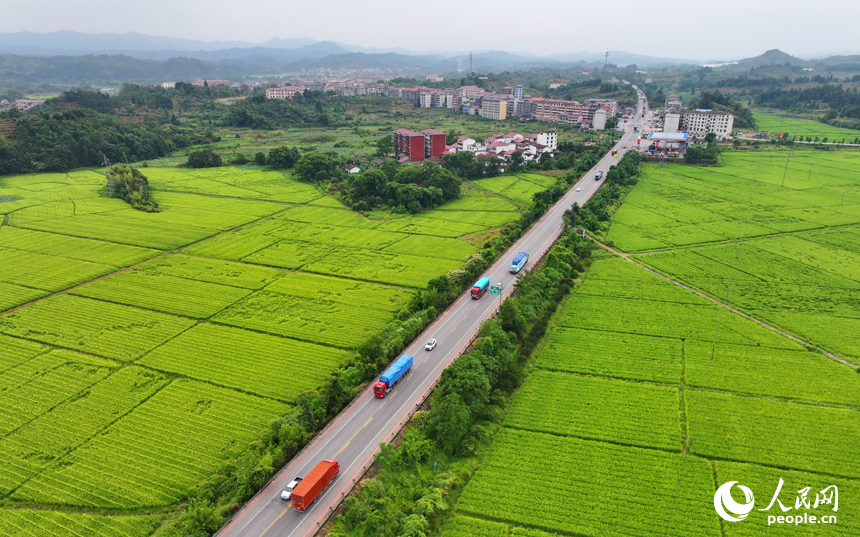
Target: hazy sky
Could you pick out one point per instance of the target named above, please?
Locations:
(719, 29)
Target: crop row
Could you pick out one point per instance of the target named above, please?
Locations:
(667, 319)
(611, 410)
(434, 227)
(435, 247)
(115, 227)
(583, 487)
(233, 245)
(478, 203)
(464, 526)
(654, 290)
(336, 235)
(41, 523)
(15, 295)
(53, 434)
(794, 374)
(42, 392)
(155, 454)
(403, 270)
(43, 211)
(324, 215)
(612, 354)
(242, 275)
(234, 182)
(117, 255)
(92, 326)
(164, 293)
(207, 211)
(17, 351)
(257, 363)
(338, 290)
(752, 429)
(47, 272)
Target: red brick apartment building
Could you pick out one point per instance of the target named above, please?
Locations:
(416, 146)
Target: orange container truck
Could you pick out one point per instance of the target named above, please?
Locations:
(312, 486)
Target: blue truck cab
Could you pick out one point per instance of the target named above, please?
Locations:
(519, 262)
(392, 375)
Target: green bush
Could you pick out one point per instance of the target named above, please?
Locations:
(203, 158)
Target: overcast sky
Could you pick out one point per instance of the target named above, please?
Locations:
(720, 29)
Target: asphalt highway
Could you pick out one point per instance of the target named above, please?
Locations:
(354, 436)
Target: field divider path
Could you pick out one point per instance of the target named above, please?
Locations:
(722, 304)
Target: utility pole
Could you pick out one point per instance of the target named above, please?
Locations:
(606, 61)
(786, 168)
(106, 164)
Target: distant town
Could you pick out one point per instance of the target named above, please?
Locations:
(473, 100)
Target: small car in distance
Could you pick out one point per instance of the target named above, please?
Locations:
(431, 344)
(287, 493)
(578, 189)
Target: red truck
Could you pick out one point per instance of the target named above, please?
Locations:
(316, 481)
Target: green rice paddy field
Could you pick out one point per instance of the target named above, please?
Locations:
(798, 266)
(594, 441)
(776, 121)
(139, 351)
(646, 397)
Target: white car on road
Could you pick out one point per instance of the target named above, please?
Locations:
(431, 344)
(287, 493)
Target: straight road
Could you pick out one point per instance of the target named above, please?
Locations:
(354, 436)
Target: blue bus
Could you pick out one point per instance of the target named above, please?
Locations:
(480, 287)
(519, 262)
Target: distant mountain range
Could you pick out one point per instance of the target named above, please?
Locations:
(135, 57)
(282, 51)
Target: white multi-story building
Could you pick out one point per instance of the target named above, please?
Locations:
(598, 120)
(698, 123)
(549, 139)
(284, 92)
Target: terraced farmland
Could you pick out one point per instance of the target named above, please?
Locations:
(159, 346)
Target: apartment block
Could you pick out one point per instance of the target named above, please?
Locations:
(416, 146)
(284, 92)
(409, 145)
(698, 123)
(494, 108)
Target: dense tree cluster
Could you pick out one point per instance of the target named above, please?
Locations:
(75, 138)
(312, 109)
(844, 103)
(400, 188)
(203, 158)
(130, 185)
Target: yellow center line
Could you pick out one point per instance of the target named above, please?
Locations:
(350, 439)
(273, 522)
(410, 376)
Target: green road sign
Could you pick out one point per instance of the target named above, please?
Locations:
(495, 290)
